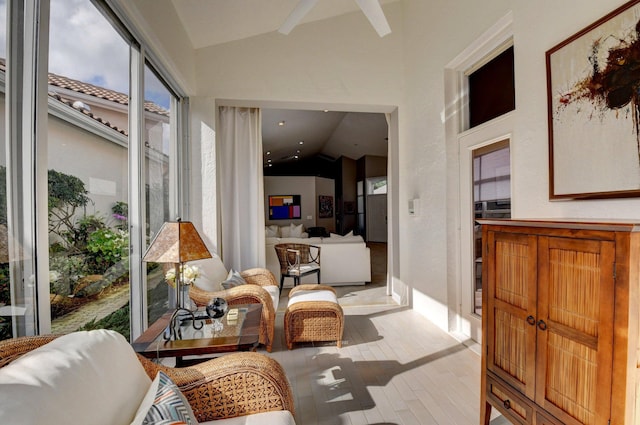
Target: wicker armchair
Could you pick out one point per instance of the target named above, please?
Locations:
(237, 384)
(247, 294)
(297, 260)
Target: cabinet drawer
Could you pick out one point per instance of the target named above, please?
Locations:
(513, 406)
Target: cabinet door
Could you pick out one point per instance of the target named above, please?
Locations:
(511, 304)
(575, 329)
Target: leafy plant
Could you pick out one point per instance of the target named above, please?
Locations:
(65, 273)
(78, 236)
(66, 194)
(121, 213)
(106, 247)
(117, 321)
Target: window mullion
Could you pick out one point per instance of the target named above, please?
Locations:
(137, 281)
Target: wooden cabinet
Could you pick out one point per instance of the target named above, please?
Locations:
(561, 313)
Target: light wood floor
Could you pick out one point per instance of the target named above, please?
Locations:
(394, 367)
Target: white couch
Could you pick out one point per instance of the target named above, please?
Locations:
(96, 378)
(344, 260)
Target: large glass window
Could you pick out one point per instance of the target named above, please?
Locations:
(72, 184)
(87, 170)
(159, 151)
(7, 301)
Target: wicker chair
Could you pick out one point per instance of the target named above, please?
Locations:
(247, 294)
(297, 260)
(237, 384)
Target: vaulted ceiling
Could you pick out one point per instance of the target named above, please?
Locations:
(331, 134)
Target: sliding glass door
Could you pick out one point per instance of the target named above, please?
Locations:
(90, 170)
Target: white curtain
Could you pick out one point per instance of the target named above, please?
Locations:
(241, 187)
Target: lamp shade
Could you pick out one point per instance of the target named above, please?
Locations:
(176, 242)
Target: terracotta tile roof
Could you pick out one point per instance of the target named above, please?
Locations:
(88, 113)
(100, 92)
(92, 90)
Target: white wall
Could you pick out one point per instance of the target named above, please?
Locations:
(343, 62)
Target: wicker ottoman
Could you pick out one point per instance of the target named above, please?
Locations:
(313, 314)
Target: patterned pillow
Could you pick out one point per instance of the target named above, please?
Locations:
(233, 279)
(164, 404)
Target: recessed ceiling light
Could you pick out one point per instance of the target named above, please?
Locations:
(281, 123)
(268, 152)
(296, 156)
(297, 150)
(301, 142)
(270, 165)
(269, 160)
(326, 110)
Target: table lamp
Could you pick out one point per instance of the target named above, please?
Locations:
(177, 242)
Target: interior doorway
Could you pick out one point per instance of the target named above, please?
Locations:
(376, 209)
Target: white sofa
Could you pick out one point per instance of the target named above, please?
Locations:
(344, 260)
(96, 378)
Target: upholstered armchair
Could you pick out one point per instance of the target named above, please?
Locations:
(237, 384)
(254, 291)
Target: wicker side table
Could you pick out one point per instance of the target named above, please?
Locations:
(313, 314)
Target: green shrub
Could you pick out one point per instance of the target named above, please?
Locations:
(117, 321)
(65, 271)
(107, 247)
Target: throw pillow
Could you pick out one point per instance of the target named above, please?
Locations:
(296, 231)
(334, 235)
(349, 234)
(233, 279)
(271, 231)
(285, 231)
(212, 272)
(164, 404)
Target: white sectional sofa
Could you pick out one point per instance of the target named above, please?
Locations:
(344, 260)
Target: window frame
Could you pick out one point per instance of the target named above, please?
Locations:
(26, 106)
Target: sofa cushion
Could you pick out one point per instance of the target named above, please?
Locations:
(89, 377)
(272, 231)
(312, 295)
(212, 273)
(274, 291)
(276, 417)
(285, 231)
(164, 404)
(296, 231)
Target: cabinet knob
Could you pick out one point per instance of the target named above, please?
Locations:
(531, 320)
(542, 325)
(507, 404)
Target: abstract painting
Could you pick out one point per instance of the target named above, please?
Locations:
(325, 206)
(593, 90)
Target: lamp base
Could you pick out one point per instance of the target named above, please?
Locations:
(173, 331)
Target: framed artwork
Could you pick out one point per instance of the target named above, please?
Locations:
(325, 206)
(593, 97)
(349, 207)
(284, 207)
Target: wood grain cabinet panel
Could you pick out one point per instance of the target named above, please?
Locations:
(561, 321)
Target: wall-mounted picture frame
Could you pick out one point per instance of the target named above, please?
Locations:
(594, 109)
(325, 206)
(349, 207)
(284, 207)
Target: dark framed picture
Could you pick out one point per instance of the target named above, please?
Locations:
(594, 109)
(325, 206)
(349, 207)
